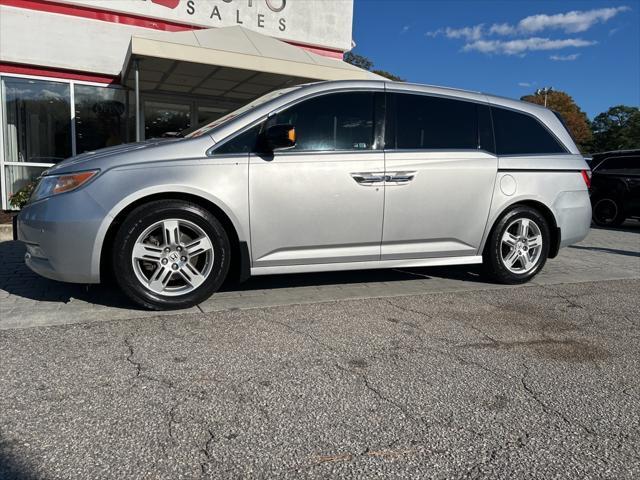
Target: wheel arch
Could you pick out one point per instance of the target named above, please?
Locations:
(240, 258)
(545, 211)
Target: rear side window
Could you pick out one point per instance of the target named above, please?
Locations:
(620, 163)
(338, 121)
(520, 134)
(432, 123)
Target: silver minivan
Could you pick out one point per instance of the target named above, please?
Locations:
(327, 176)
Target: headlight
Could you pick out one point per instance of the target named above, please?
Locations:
(55, 184)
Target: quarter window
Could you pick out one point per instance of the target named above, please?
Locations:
(243, 143)
(520, 134)
(424, 123)
(339, 121)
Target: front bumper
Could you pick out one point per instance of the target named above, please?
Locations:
(60, 234)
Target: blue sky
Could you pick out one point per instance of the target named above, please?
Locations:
(590, 49)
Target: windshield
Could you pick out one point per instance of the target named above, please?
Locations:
(202, 129)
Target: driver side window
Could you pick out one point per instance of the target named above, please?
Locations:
(338, 121)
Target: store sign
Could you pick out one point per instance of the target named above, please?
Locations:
(320, 23)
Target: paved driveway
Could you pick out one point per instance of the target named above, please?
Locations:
(27, 300)
(536, 382)
(359, 375)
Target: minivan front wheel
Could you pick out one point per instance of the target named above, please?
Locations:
(518, 246)
(170, 254)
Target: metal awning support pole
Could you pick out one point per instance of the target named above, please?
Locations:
(136, 66)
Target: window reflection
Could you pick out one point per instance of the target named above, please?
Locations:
(101, 117)
(165, 119)
(38, 121)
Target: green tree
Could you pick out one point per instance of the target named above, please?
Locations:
(574, 118)
(363, 62)
(359, 61)
(617, 129)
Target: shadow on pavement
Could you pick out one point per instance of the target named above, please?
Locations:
(607, 250)
(17, 279)
(10, 469)
(631, 226)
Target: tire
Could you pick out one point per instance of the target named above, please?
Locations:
(170, 254)
(531, 254)
(608, 212)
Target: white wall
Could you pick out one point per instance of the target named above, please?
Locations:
(61, 41)
(323, 23)
(64, 41)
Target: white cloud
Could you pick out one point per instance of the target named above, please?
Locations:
(571, 22)
(524, 45)
(468, 33)
(502, 29)
(565, 58)
(405, 29)
(524, 84)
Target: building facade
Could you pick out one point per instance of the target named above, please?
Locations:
(79, 75)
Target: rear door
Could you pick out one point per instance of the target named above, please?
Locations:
(322, 201)
(440, 175)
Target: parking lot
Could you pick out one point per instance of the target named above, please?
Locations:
(423, 373)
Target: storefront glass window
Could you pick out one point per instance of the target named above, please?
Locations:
(209, 114)
(101, 117)
(161, 118)
(18, 177)
(37, 120)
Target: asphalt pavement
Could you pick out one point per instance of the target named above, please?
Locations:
(531, 382)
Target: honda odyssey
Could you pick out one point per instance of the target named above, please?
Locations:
(327, 176)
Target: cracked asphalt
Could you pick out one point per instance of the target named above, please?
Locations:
(530, 382)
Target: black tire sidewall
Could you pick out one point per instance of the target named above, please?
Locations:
(493, 257)
(617, 220)
(143, 217)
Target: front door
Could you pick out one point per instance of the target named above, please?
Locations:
(321, 201)
(439, 176)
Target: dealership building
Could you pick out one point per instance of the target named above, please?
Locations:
(79, 75)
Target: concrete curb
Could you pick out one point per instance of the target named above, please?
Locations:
(6, 232)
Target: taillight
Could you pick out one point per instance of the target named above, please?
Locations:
(586, 176)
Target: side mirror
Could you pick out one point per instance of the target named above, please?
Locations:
(278, 137)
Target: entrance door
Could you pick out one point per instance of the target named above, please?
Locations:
(322, 201)
(439, 178)
(163, 118)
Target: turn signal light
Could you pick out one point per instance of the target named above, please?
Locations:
(66, 183)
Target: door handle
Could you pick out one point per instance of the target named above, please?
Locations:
(368, 178)
(400, 178)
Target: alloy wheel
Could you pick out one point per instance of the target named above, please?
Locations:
(173, 257)
(521, 246)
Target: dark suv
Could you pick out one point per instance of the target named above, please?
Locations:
(615, 187)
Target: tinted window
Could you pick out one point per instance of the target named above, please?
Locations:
(423, 122)
(339, 121)
(620, 163)
(243, 143)
(485, 127)
(520, 134)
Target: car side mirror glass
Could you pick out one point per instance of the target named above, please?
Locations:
(279, 137)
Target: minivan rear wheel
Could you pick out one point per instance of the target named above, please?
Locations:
(170, 254)
(518, 246)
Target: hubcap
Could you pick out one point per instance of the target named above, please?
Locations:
(173, 257)
(521, 246)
